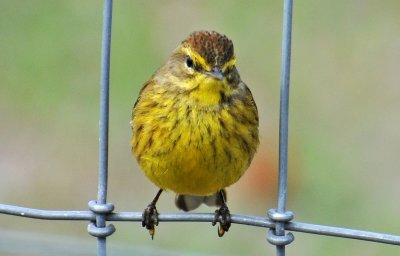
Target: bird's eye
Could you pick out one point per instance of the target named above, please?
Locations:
(189, 62)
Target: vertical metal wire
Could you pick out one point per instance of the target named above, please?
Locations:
(284, 105)
(103, 124)
(284, 117)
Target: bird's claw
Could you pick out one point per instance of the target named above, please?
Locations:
(150, 219)
(223, 216)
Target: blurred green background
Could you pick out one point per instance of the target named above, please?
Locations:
(344, 120)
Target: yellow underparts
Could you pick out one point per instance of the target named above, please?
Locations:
(205, 90)
(191, 144)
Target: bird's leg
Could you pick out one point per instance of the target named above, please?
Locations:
(150, 215)
(222, 215)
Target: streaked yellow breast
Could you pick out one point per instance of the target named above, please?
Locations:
(190, 144)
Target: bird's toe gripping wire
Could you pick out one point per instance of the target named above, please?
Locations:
(150, 215)
(222, 215)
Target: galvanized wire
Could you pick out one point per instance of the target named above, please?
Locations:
(104, 103)
(100, 208)
(284, 105)
(203, 217)
(280, 215)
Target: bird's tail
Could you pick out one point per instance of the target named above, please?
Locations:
(189, 202)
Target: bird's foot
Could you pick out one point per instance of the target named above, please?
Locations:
(150, 219)
(223, 216)
(150, 215)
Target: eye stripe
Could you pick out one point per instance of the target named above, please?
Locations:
(197, 59)
(229, 64)
(199, 62)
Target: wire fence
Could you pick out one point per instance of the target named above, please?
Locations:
(278, 220)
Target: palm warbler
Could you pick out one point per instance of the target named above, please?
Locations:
(195, 126)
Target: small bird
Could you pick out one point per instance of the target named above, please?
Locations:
(195, 127)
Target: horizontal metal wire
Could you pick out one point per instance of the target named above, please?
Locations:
(203, 217)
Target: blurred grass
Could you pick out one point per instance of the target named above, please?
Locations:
(344, 120)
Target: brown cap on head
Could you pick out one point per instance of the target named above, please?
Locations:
(215, 48)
